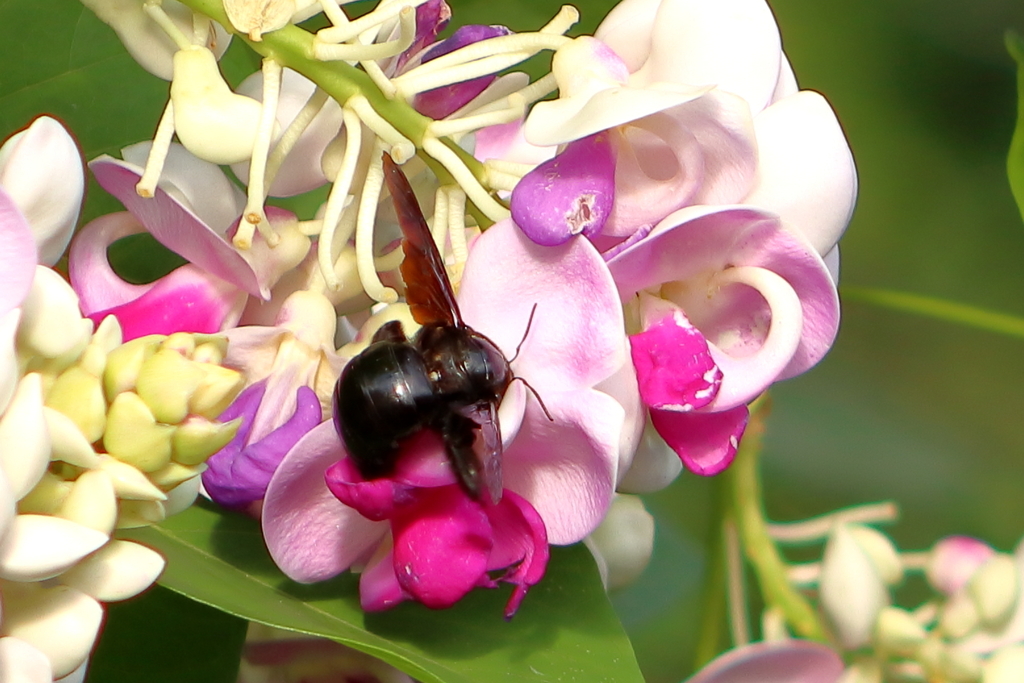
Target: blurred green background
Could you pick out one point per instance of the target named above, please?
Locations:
(904, 407)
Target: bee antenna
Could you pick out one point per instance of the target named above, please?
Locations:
(529, 322)
(536, 396)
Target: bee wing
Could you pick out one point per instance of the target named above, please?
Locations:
(428, 290)
(488, 448)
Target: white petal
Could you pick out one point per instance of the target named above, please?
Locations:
(20, 662)
(51, 323)
(39, 547)
(655, 465)
(68, 442)
(24, 438)
(119, 570)
(198, 184)
(60, 622)
(8, 359)
(806, 172)
(7, 511)
(182, 496)
(852, 593)
(627, 29)
(42, 169)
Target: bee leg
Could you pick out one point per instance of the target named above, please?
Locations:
(459, 435)
(391, 331)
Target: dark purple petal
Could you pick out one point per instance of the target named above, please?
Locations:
(705, 442)
(432, 17)
(442, 545)
(441, 102)
(239, 473)
(568, 195)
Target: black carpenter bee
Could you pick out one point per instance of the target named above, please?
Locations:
(448, 377)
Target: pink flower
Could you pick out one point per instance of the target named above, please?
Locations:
(784, 661)
(559, 475)
(727, 303)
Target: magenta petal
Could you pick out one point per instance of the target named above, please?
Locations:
(375, 499)
(18, 255)
(520, 543)
(442, 543)
(705, 442)
(786, 661)
(311, 535)
(568, 195)
(185, 300)
(176, 227)
(674, 367)
(441, 102)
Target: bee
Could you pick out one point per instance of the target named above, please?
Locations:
(448, 377)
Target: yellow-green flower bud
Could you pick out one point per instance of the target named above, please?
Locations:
(130, 483)
(167, 383)
(136, 513)
(218, 389)
(898, 632)
(182, 342)
(125, 362)
(173, 474)
(91, 502)
(79, 395)
(46, 497)
(995, 588)
(134, 436)
(197, 438)
(67, 443)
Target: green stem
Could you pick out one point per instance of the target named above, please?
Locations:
(712, 618)
(745, 485)
(292, 47)
(939, 309)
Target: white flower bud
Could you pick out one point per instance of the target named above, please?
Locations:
(24, 438)
(624, 541)
(852, 590)
(23, 663)
(43, 172)
(1005, 666)
(51, 322)
(38, 547)
(898, 632)
(60, 622)
(117, 571)
(995, 588)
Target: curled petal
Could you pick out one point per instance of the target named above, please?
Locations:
(17, 254)
(696, 241)
(442, 544)
(185, 300)
(705, 442)
(42, 171)
(567, 468)
(576, 308)
(177, 227)
(520, 544)
(787, 661)
(569, 195)
(97, 285)
(39, 547)
(311, 535)
(239, 473)
(806, 172)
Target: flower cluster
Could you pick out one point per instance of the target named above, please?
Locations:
(95, 435)
(650, 251)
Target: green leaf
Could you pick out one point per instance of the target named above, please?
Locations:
(163, 637)
(1015, 160)
(565, 630)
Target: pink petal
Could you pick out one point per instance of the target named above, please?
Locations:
(576, 308)
(311, 535)
(97, 285)
(507, 142)
(177, 227)
(442, 543)
(674, 368)
(697, 241)
(378, 586)
(787, 661)
(185, 300)
(700, 152)
(17, 255)
(567, 468)
(375, 499)
(953, 561)
(705, 442)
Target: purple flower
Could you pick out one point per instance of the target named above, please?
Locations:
(559, 475)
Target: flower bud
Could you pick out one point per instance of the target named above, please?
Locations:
(117, 571)
(136, 513)
(881, 551)
(995, 588)
(216, 391)
(167, 383)
(852, 590)
(47, 496)
(129, 483)
(24, 438)
(133, 435)
(959, 616)
(953, 560)
(898, 632)
(1005, 666)
(172, 474)
(212, 122)
(79, 395)
(39, 547)
(197, 439)
(67, 442)
(125, 363)
(51, 323)
(91, 502)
